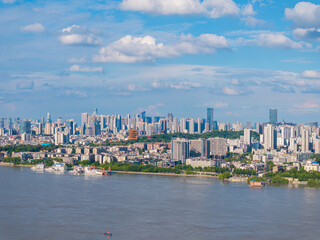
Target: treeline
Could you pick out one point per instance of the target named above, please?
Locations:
(312, 177)
(169, 137)
(17, 161)
(27, 148)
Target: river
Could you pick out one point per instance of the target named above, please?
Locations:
(40, 206)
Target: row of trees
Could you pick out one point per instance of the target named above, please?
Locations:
(27, 148)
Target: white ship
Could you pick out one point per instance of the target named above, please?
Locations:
(57, 167)
(94, 171)
(38, 167)
(77, 170)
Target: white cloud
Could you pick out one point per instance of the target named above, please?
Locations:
(76, 35)
(230, 91)
(78, 68)
(131, 49)
(252, 21)
(310, 107)
(307, 33)
(35, 28)
(79, 39)
(247, 10)
(8, 1)
(304, 14)
(76, 93)
(72, 28)
(272, 40)
(210, 8)
(77, 60)
(221, 105)
(311, 74)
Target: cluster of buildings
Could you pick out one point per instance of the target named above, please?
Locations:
(279, 142)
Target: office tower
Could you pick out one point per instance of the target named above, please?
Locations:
(95, 111)
(84, 118)
(170, 117)
(70, 125)
(218, 146)
(49, 118)
(180, 150)
(273, 116)
(26, 127)
(143, 116)
(199, 121)
(156, 119)
(175, 127)
(270, 137)
(210, 118)
(183, 125)
(305, 141)
(197, 148)
(47, 129)
(247, 136)
(191, 126)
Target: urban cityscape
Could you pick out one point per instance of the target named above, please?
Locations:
(159, 119)
(199, 143)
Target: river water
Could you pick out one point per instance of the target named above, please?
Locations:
(52, 206)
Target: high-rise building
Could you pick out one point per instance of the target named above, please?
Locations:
(49, 118)
(218, 146)
(247, 136)
(180, 150)
(95, 111)
(270, 137)
(305, 141)
(26, 127)
(210, 118)
(84, 118)
(273, 116)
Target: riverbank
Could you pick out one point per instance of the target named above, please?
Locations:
(15, 165)
(168, 174)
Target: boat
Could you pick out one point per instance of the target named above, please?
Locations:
(92, 170)
(77, 170)
(38, 167)
(57, 167)
(254, 183)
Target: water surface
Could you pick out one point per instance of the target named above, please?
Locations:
(52, 206)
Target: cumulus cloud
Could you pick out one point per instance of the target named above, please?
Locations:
(310, 74)
(76, 35)
(35, 28)
(251, 21)
(210, 8)
(310, 106)
(272, 40)
(230, 91)
(78, 68)
(130, 49)
(307, 33)
(248, 10)
(304, 14)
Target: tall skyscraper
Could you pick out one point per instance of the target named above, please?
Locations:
(49, 118)
(247, 136)
(95, 111)
(305, 141)
(210, 118)
(180, 150)
(273, 116)
(270, 137)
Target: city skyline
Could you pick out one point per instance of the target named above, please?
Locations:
(239, 57)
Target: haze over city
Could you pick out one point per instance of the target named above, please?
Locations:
(239, 57)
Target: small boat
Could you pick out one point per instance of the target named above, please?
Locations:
(38, 167)
(254, 183)
(108, 234)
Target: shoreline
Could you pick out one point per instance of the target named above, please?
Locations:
(167, 174)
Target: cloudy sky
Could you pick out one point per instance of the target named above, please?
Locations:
(179, 56)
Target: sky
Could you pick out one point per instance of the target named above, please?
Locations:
(180, 56)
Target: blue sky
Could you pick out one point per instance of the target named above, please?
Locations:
(179, 56)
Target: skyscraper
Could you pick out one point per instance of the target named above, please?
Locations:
(270, 137)
(273, 116)
(247, 136)
(305, 141)
(49, 118)
(210, 118)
